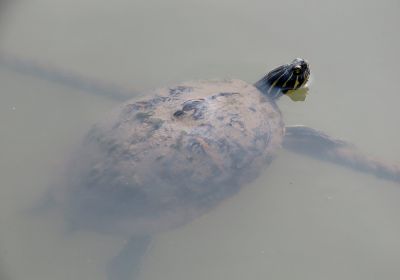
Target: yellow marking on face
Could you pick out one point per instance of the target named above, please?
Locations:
(275, 82)
(296, 83)
(287, 80)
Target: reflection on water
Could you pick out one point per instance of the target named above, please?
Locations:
(300, 219)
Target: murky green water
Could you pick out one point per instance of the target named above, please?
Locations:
(302, 219)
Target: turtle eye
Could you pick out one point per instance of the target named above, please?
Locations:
(297, 70)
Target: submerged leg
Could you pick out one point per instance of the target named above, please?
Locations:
(63, 77)
(126, 265)
(309, 141)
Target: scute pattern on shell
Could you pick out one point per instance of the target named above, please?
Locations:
(156, 163)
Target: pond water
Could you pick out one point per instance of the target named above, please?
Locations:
(302, 219)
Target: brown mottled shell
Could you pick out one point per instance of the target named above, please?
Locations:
(156, 163)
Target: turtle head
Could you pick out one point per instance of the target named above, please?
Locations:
(285, 78)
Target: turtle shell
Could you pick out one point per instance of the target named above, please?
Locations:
(156, 163)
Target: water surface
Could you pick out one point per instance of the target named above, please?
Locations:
(302, 219)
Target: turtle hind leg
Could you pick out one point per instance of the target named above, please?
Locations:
(315, 143)
(126, 265)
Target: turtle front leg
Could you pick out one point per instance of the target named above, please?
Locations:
(317, 144)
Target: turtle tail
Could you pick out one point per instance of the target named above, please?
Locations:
(309, 141)
(126, 265)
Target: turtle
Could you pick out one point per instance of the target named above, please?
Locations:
(171, 157)
(156, 163)
(159, 162)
